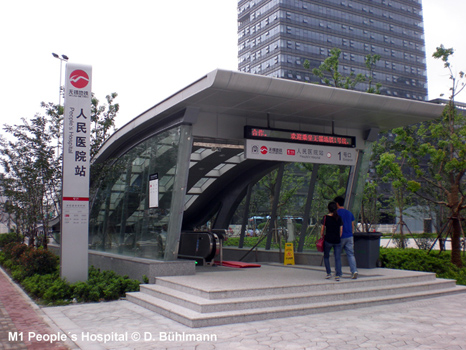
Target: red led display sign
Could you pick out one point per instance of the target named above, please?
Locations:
(251, 132)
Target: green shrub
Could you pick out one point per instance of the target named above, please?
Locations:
(38, 272)
(421, 260)
(108, 285)
(309, 242)
(105, 285)
(249, 242)
(234, 241)
(39, 261)
(112, 290)
(80, 291)
(18, 273)
(37, 285)
(14, 250)
(8, 264)
(11, 237)
(94, 293)
(59, 290)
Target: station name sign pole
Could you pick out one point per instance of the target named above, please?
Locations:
(76, 173)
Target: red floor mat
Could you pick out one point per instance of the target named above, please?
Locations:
(237, 264)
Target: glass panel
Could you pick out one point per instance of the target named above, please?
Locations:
(121, 221)
(331, 182)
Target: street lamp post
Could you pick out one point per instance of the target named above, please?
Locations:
(59, 109)
(62, 58)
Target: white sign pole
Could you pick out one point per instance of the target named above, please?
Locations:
(76, 171)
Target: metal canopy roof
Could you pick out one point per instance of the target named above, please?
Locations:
(253, 96)
(220, 103)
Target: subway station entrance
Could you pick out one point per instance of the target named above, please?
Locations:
(239, 155)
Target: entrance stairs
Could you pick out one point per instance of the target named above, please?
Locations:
(219, 295)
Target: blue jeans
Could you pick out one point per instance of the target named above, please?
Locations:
(348, 245)
(336, 253)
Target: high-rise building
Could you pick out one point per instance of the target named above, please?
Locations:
(275, 37)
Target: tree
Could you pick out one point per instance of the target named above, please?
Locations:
(332, 182)
(289, 187)
(370, 205)
(401, 197)
(436, 151)
(103, 120)
(31, 155)
(371, 61)
(372, 199)
(328, 72)
(32, 174)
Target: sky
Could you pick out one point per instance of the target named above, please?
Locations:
(146, 50)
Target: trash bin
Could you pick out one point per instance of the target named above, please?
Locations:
(367, 249)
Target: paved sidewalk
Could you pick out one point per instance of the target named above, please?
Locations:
(21, 320)
(436, 323)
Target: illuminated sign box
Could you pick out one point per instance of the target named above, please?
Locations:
(256, 133)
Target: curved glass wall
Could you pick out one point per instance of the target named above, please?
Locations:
(121, 220)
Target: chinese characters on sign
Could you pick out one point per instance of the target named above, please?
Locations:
(251, 132)
(77, 139)
(75, 212)
(333, 140)
(302, 153)
(81, 145)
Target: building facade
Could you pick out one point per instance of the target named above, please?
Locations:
(275, 37)
(207, 164)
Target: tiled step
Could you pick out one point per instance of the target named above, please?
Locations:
(222, 293)
(200, 302)
(203, 305)
(196, 319)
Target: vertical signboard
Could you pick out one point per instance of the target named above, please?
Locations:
(76, 172)
(154, 190)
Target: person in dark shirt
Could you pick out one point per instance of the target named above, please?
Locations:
(332, 229)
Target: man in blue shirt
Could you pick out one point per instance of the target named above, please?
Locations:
(347, 242)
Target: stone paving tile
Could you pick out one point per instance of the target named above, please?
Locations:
(437, 323)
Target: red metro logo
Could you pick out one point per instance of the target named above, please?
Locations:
(79, 79)
(264, 150)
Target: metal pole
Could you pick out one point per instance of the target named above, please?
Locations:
(307, 209)
(62, 58)
(276, 199)
(60, 86)
(245, 217)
